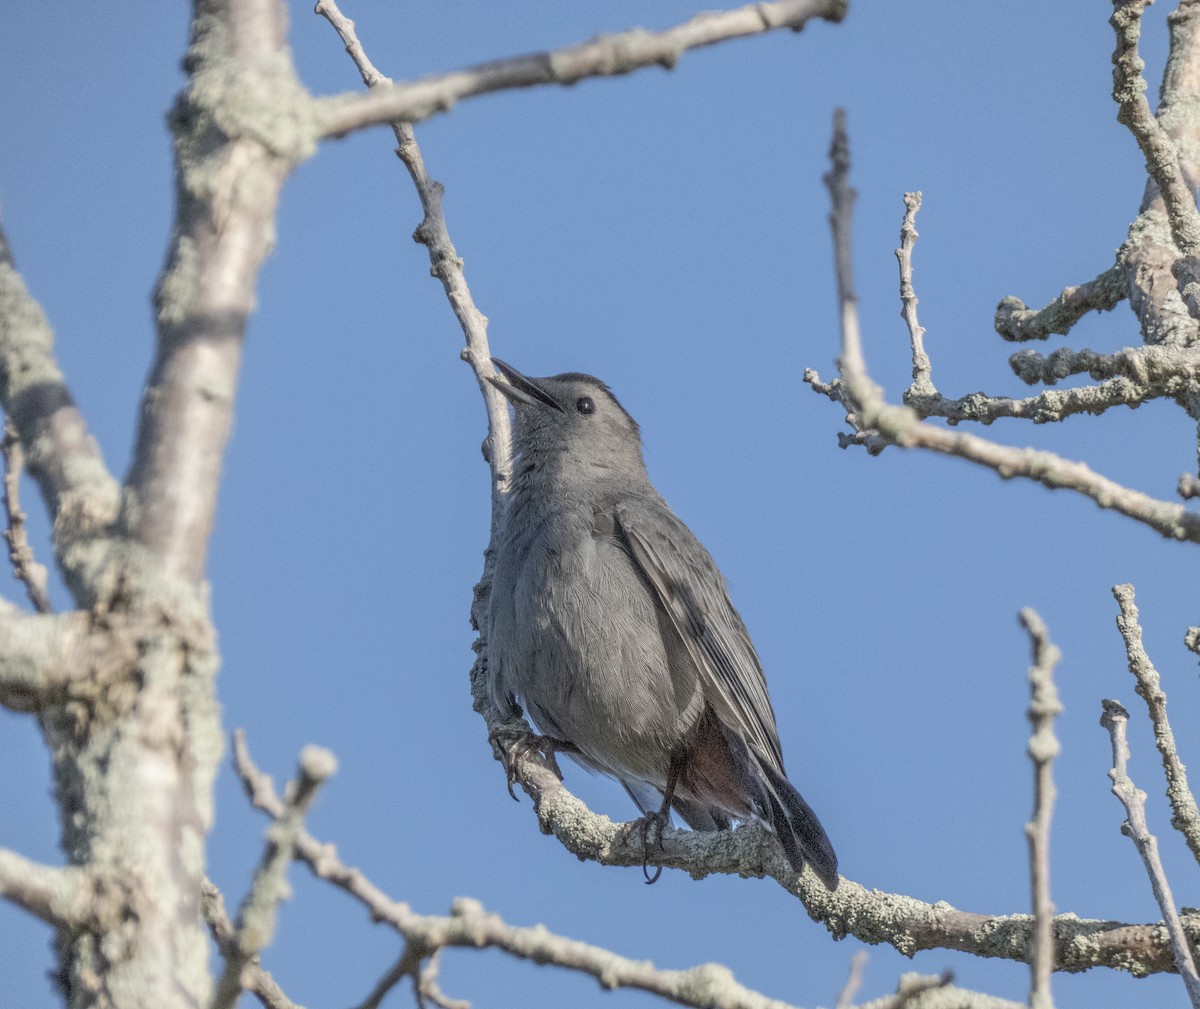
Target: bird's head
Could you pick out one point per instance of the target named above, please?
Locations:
(571, 419)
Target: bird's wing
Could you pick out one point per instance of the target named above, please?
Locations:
(692, 593)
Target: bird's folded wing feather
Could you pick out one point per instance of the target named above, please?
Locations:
(692, 592)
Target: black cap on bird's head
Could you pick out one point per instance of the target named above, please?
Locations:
(572, 412)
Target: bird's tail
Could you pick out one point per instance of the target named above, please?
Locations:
(800, 832)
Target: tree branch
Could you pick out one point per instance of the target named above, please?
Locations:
(1017, 322)
(470, 926)
(1185, 817)
(240, 126)
(874, 418)
(1044, 707)
(63, 458)
(1161, 154)
(604, 56)
(255, 978)
(26, 569)
(63, 897)
(256, 920)
(444, 262)
(1115, 719)
(42, 656)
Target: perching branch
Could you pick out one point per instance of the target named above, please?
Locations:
(1185, 817)
(470, 926)
(1044, 707)
(1115, 719)
(604, 56)
(256, 920)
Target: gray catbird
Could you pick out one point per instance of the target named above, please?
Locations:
(613, 626)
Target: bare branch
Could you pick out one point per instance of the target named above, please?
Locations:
(858, 967)
(42, 655)
(1185, 816)
(916, 991)
(1017, 322)
(604, 56)
(1162, 156)
(255, 978)
(1115, 719)
(873, 416)
(241, 124)
(63, 458)
(407, 966)
(1044, 707)
(1156, 366)
(922, 378)
(429, 989)
(444, 261)
(256, 921)
(64, 897)
(25, 568)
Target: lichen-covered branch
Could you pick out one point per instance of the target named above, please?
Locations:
(240, 126)
(65, 897)
(1161, 154)
(25, 567)
(1044, 707)
(256, 920)
(1185, 817)
(1115, 719)
(255, 977)
(62, 457)
(873, 417)
(1017, 322)
(604, 56)
(44, 656)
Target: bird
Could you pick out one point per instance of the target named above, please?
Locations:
(612, 626)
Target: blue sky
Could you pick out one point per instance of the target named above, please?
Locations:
(666, 232)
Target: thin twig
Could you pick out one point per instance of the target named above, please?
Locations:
(444, 261)
(25, 568)
(1115, 719)
(1185, 817)
(256, 920)
(1044, 707)
(604, 56)
(408, 965)
(902, 426)
(255, 978)
(922, 378)
(428, 987)
(854, 980)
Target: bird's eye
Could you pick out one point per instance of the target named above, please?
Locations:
(585, 405)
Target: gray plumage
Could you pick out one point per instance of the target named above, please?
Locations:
(613, 627)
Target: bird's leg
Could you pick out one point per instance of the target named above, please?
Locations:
(515, 744)
(658, 819)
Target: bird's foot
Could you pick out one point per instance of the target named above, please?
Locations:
(515, 744)
(651, 826)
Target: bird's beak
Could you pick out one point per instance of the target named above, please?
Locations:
(520, 390)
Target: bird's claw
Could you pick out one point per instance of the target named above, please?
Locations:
(649, 824)
(516, 744)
